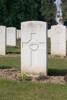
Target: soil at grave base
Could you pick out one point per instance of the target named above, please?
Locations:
(15, 55)
(9, 74)
(53, 56)
(14, 75)
(12, 46)
(11, 55)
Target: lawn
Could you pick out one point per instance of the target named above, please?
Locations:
(10, 62)
(32, 91)
(10, 90)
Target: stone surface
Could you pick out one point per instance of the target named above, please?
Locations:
(2, 40)
(58, 40)
(49, 33)
(11, 36)
(34, 47)
(18, 34)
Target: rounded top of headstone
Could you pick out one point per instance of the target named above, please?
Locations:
(33, 22)
(2, 26)
(11, 27)
(33, 29)
(57, 26)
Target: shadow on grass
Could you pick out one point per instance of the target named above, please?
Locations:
(57, 72)
(5, 67)
(13, 53)
(49, 52)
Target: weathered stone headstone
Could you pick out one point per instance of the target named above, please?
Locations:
(58, 40)
(2, 40)
(34, 47)
(18, 34)
(11, 36)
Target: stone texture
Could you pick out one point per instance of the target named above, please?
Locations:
(34, 47)
(11, 36)
(49, 33)
(2, 40)
(58, 40)
(18, 34)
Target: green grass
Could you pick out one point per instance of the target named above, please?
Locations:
(32, 91)
(10, 63)
(57, 66)
(14, 50)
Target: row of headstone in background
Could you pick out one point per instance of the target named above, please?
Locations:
(58, 37)
(34, 45)
(11, 35)
(18, 34)
(8, 37)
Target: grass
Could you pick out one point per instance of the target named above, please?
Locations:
(32, 91)
(57, 66)
(10, 63)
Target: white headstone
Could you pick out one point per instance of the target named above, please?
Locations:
(11, 36)
(18, 34)
(49, 33)
(34, 47)
(2, 40)
(58, 40)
